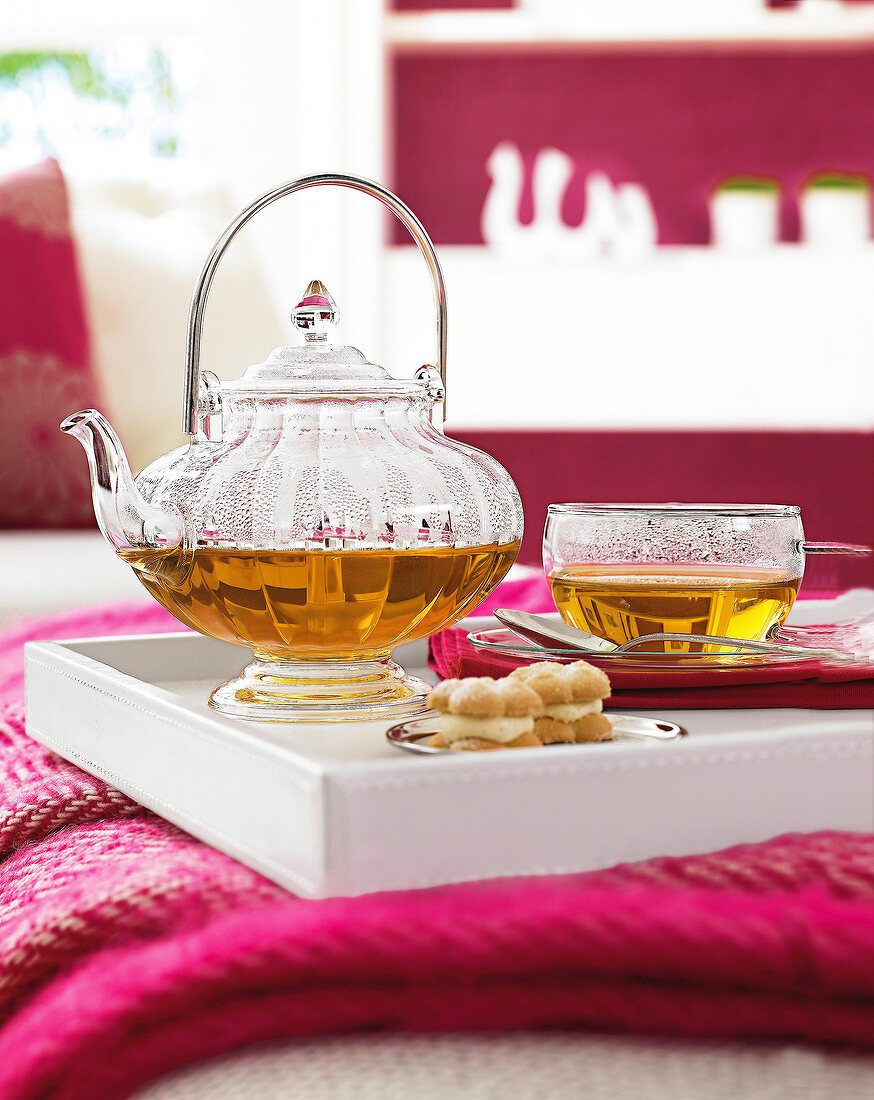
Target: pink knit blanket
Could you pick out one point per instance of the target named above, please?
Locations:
(127, 948)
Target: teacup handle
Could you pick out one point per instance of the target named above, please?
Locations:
(812, 633)
(191, 399)
(855, 548)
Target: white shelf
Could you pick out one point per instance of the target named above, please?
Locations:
(826, 25)
(688, 338)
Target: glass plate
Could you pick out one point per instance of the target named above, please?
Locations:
(845, 622)
(500, 640)
(626, 727)
(644, 671)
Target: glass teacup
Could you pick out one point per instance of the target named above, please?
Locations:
(621, 571)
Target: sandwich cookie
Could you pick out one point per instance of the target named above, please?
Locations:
(483, 713)
(572, 701)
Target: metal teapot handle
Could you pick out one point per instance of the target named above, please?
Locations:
(190, 414)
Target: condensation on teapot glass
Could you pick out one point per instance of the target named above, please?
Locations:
(317, 447)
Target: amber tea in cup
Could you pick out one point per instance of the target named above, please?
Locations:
(623, 571)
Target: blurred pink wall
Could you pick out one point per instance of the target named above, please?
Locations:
(677, 122)
(447, 5)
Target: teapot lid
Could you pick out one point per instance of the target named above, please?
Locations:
(320, 368)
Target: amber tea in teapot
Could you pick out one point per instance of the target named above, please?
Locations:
(318, 515)
(313, 603)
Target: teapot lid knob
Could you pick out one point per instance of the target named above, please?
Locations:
(316, 313)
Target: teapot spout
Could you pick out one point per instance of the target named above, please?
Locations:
(140, 532)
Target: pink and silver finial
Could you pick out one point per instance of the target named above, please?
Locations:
(316, 313)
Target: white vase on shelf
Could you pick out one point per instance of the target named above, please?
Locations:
(836, 212)
(745, 215)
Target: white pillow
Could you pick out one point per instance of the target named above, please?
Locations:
(142, 238)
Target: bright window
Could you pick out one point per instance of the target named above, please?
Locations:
(130, 98)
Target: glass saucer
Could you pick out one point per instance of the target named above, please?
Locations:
(644, 671)
(412, 735)
(504, 642)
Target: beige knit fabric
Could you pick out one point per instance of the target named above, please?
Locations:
(521, 1067)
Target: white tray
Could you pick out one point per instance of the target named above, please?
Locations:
(329, 810)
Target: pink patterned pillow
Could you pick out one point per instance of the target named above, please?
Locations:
(45, 361)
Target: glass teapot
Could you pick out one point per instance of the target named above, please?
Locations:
(317, 516)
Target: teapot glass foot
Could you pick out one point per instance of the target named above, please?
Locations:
(321, 691)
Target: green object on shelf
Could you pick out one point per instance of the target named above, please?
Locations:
(758, 184)
(838, 181)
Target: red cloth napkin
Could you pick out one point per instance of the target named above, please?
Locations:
(128, 948)
(808, 685)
